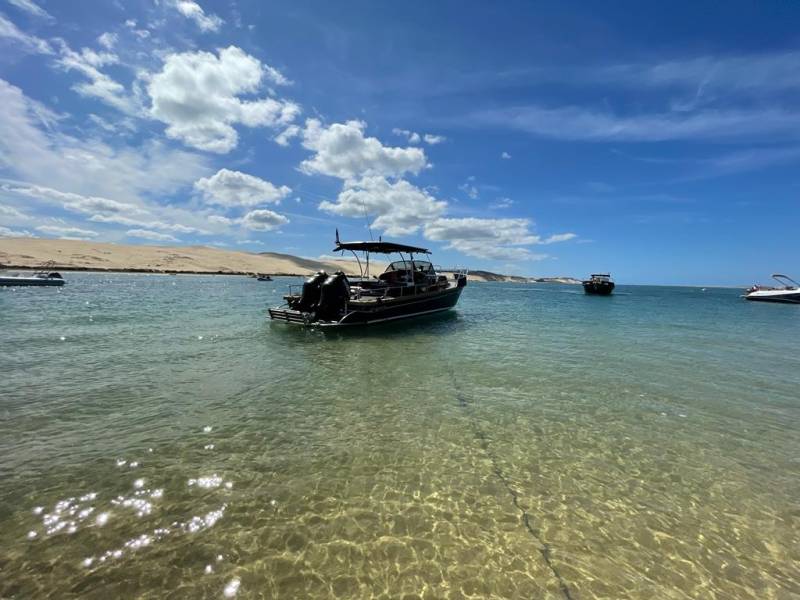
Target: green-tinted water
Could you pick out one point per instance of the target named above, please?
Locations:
(536, 443)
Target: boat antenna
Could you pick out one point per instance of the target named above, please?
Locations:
(366, 218)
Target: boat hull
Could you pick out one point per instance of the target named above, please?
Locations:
(379, 312)
(30, 281)
(777, 296)
(595, 288)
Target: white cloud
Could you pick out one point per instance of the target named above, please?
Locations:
(197, 95)
(415, 138)
(292, 131)
(100, 85)
(7, 232)
(234, 188)
(88, 174)
(28, 43)
(760, 73)
(398, 208)
(502, 203)
(497, 239)
(341, 150)
(505, 155)
(469, 188)
(73, 202)
(107, 40)
(432, 140)
(151, 235)
(141, 223)
(411, 136)
(577, 123)
(68, 232)
(263, 220)
(220, 220)
(559, 237)
(192, 10)
(10, 211)
(32, 8)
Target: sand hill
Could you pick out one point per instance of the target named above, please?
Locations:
(101, 256)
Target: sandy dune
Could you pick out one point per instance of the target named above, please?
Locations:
(101, 256)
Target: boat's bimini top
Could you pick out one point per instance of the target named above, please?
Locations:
(378, 247)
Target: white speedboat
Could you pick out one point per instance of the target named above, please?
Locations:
(788, 292)
(38, 278)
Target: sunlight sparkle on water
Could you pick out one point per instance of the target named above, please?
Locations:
(232, 588)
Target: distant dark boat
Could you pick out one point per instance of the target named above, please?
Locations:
(264, 278)
(40, 278)
(599, 284)
(409, 287)
(787, 293)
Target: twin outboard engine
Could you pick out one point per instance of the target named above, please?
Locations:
(333, 297)
(309, 299)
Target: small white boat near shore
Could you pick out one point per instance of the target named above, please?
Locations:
(41, 278)
(787, 293)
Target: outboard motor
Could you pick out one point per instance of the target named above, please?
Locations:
(311, 291)
(333, 297)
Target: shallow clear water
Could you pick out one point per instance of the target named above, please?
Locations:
(160, 439)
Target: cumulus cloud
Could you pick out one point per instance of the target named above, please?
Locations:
(398, 207)
(192, 10)
(263, 220)
(197, 94)
(28, 43)
(32, 8)
(505, 155)
(341, 150)
(234, 188)
(67, 232)
(151, 235)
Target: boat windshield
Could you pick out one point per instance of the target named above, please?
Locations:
(406, 265)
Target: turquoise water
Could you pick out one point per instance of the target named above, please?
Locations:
(160, 439)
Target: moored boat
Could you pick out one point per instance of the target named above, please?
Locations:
(788, 291)
(407, 288)
(599, 284)
(262, 277)
(40, 278)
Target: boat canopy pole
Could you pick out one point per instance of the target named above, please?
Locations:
(775, 276)
(359, 263)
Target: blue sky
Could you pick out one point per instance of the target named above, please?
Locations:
(657, 141)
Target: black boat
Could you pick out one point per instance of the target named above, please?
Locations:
(407, 288)
(599, 284)
(263, 278)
